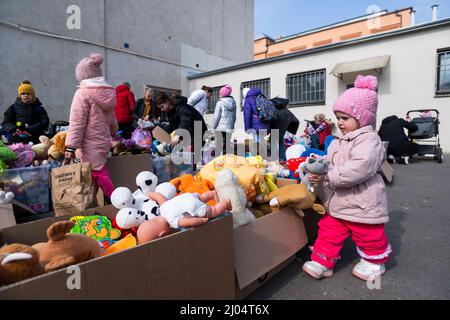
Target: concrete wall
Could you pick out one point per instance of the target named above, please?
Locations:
(209, 33)
(406, 83)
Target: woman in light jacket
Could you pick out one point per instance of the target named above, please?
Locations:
(225, 114)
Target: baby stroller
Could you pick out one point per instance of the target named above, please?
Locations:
(427, 133)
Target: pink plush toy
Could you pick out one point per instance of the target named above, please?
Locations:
(25, 155)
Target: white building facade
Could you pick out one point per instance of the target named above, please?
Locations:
(412, 65)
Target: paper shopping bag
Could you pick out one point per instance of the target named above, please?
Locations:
(73, 189)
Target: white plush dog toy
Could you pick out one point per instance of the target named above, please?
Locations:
(128, 218)
(123, 198)
(6, 197)
(227, 186)
(146, 182)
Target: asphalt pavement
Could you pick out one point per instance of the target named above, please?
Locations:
(419, 231)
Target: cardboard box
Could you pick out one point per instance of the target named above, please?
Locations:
(191, 264)
(124, 169)
(387, 171)
(161, 135)
(213, 261)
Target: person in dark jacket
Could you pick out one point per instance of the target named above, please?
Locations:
(145, 109)
(124, 108)
(392, 130)
(26, 119)
(181, 116)
(286, 121)
(251, 116)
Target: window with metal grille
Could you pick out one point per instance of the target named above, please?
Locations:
(212, 101)
(306, 88)
(263, 85)
(443, 72)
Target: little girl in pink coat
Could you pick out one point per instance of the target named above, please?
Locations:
(92, 121)
(353, 191)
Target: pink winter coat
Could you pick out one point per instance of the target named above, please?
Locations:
(353, 188)
(92, 121)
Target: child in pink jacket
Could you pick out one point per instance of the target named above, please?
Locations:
(92, 121)
(352, 191)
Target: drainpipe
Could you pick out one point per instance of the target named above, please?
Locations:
(401, 18)
(434, 12)
(413, 17)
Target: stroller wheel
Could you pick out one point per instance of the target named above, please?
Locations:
(439, 155)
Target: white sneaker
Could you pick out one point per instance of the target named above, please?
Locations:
(316, 270)
(366, 270)
(405, 160)
(391, 158)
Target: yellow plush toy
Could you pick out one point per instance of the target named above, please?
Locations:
(295, 196)
(56, 150)
(248, 176)
(41, 149)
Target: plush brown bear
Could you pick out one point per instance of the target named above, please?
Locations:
(18, 262)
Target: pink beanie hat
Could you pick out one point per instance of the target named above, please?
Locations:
(89, 67)
(360, 102)
(225, 91)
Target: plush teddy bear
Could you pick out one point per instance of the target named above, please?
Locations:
(18, 262)
(187, 183)
(295, 196)
(227, 186)
(58, 145)
(41, 149)
(313, 165)
(64, 249)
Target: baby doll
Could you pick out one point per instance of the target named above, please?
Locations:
(190, 209)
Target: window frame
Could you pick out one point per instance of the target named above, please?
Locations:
(244, 85)
(308, 103)
(213, 105)
(437, 91)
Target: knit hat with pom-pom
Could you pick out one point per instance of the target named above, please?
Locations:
(89, 67)
(360, 102)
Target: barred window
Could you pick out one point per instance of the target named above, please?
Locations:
(212, 101)
(306, 87)
(263, 85)
(443, 72)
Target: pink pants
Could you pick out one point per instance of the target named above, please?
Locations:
(103, 180)
(371, 241)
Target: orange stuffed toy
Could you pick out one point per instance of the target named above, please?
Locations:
(189, 184)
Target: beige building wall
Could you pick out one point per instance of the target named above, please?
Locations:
(406, 83)
(265, 48)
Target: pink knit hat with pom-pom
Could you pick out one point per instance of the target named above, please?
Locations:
(225, 91)
(89, 67)
(360, 102)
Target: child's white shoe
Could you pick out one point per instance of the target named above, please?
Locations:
(316, 270)
(366, 270)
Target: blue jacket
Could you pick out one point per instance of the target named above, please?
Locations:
(251, 119)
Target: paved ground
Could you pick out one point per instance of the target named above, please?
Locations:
(419, 231)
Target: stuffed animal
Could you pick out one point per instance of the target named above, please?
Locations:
(167, 189)
(64, 249)
(293, 165)
(96, 227)
(190, 209)
(41, 149)
(123, 198)
(146, 182)
(18, 262)
(58, 145)
(25, 155)
(295, 196)
(6, 155)
(313, 165)
(128, 218)
(295, 151)
(277, 169)
(127, 242)
(227, 186)
(6, 197)
(249, 177)
(189, 184)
